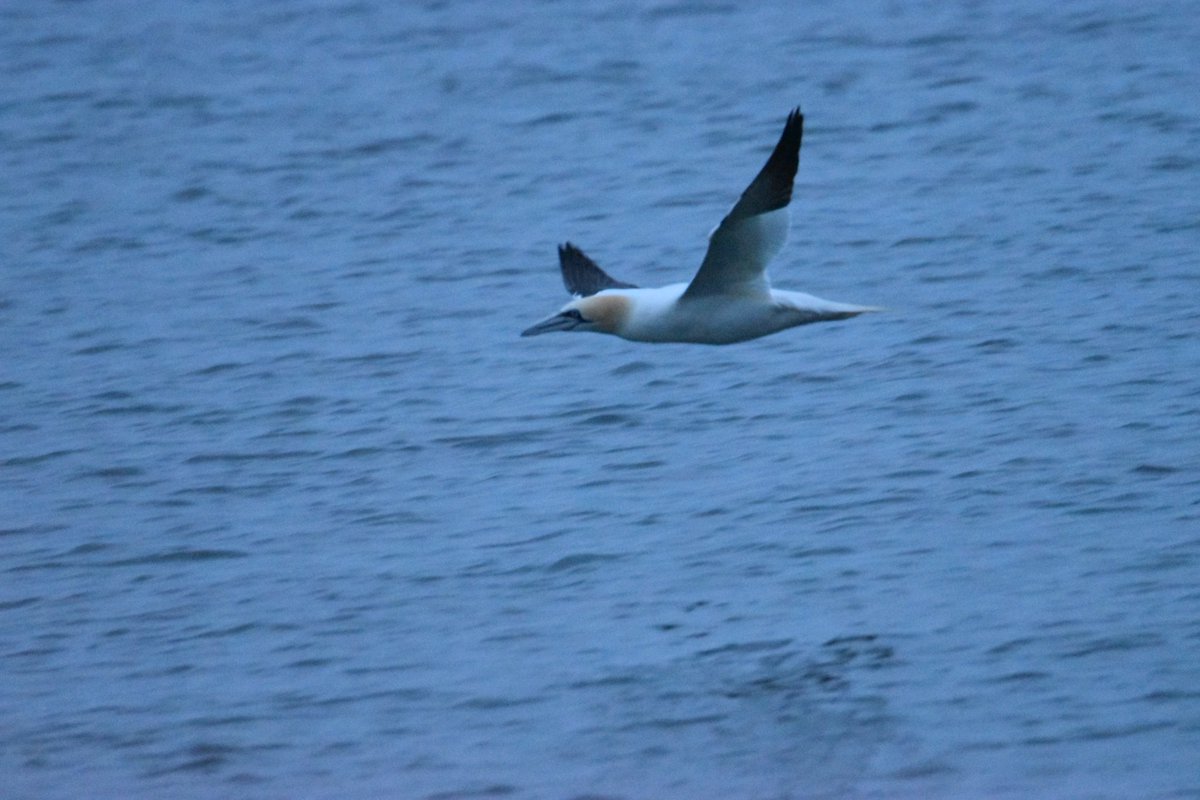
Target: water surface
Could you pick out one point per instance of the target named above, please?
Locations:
(290, 511)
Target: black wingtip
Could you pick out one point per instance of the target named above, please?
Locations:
(771, 189)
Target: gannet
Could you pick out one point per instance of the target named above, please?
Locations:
(730, 299)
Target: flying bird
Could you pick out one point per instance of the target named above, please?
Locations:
(730, 299)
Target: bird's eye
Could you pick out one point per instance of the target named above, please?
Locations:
(574, 314)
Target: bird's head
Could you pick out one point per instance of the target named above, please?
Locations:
(605, 312)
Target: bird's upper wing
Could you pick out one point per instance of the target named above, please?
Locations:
(582, 276)
(756, 227)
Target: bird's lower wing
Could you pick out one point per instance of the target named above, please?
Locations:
(755, 229)
(738, 253)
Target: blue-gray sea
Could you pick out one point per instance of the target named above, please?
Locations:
(289, 510)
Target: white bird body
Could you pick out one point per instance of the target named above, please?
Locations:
(663, 315)
(730, 299)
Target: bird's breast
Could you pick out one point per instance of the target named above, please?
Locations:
(708, 320)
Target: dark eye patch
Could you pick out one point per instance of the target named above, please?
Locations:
(574, 314)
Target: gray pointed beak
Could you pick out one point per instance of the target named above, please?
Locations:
(558, 322)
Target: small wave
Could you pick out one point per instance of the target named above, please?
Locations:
(176, 556)
(580, 561)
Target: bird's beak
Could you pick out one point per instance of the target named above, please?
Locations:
(558, 322)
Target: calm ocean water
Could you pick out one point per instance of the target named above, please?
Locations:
(289, 511)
